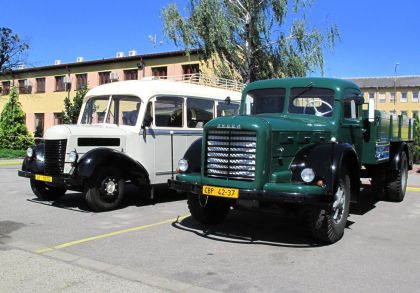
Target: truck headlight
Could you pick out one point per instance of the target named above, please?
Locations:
(29, 152)
(183, 165)
(72, 157)
(308, 175)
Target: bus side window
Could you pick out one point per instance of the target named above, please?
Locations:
(199, 112)
(169, 111)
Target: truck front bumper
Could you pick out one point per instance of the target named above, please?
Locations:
(307, 194)
(57, 180)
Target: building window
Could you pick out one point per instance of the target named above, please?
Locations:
(131, 74)
(81, 81)
(58, 118)
(59, 84)
(415, 97)
(24, 86)
(160, 72)
(371, 96)
(39, 124)
(104, 77)
(40, 85)
(190, 69)
(404, 113)
(392, 98)
(382, 98)
(5, 88)
(403, 97)
(415, 114)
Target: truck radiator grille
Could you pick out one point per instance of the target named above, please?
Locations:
(55, 152)
(231, 154)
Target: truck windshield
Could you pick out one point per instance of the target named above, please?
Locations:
(123, 110)
(263, 101)
(311, 101)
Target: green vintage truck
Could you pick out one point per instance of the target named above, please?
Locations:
(300, 142)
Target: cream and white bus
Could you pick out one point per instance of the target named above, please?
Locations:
(129, 131)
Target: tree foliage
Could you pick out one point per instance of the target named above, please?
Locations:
(258, 39)
(13, 131)
(72, 108)
(12, 49)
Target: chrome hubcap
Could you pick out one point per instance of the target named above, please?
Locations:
(110, 186)
(339, 204)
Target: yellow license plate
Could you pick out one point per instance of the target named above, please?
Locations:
(221, 191)
(43, 178)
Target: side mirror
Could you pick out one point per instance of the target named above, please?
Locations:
(148, 119)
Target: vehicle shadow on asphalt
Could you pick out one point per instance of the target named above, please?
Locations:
(133, 196)
(272, 229)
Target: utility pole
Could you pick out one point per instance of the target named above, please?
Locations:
(395, 86)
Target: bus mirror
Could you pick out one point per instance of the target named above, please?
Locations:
(148, 119)
(227, 100)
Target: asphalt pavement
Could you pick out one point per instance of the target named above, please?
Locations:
(156, 247)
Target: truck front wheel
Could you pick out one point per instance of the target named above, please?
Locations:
(208, 210)
(104, 192)
(327, 224)
(46, 192)
(397, 181)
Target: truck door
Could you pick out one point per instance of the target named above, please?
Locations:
(352, 122)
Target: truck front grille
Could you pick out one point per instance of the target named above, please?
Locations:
(55, 152)
(231, 154)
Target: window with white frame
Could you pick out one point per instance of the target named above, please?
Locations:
(415, 97)
(403, 97)
(392, 98)
(371, 96)
(404, 113)
(382, 98)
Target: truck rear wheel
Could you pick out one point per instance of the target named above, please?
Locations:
(105, 191)
(327, 224)
(397, 181)
(46, 192)
(208, 210)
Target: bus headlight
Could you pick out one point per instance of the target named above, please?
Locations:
(29, 152)
(72, 157)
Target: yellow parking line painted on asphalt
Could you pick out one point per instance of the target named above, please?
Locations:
(88, 239)
(10, 163)
(417, 189)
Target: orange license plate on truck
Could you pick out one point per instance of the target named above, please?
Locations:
(221, 191)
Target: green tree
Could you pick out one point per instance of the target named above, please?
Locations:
(13, 131)
(258, 39)
(72, 109)
(12, 49)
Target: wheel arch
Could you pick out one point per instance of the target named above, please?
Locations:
(193, 156)
(396, 150)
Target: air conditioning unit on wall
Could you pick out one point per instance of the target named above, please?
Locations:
(114, 76)
(80, 59)
(119, 54)
(132, 53)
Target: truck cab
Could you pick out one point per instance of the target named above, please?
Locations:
(297, 141)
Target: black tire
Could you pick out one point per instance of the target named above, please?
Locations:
(397, 181)
(208, 210)
(46, 192)
(105, 191)
(327, 224)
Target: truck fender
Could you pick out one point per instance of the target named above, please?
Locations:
(193, 156)
(326, 159)
(131, 169)
(396, 150)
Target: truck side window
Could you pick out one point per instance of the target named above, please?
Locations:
(351, 110)
(199, 112)
(169, 111)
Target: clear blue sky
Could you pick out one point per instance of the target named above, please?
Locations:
(374, 34)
